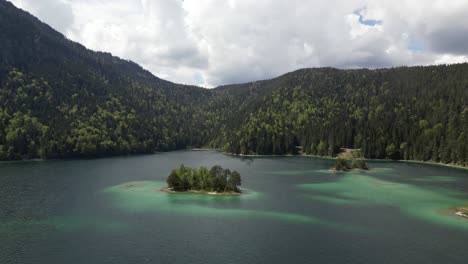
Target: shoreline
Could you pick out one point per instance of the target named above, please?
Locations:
(461, 214)
(170, 191)
(350, 170)
(453, 166)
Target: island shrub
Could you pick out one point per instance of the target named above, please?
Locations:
(342, 165)
(359, 164)
(216, 179)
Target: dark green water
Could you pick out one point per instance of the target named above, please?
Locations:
(81, 211)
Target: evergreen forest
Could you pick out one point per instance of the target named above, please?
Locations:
(60, 100)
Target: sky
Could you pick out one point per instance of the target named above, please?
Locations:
(215, 42)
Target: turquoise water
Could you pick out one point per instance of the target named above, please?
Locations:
(293, 211)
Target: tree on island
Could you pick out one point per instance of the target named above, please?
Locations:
(357, 162)
(216, 179)
(342, 165)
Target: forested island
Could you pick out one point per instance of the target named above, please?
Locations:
(350, 160)
(214, 181)
(61, 100)
(346, 165)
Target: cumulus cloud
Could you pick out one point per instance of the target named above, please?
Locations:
(212, 42)
(56, 13)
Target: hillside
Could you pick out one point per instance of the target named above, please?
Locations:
(416, 113)
(63, 100)
(60, 100)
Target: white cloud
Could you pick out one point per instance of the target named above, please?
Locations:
(56, 13)
(450, 59)
(212, 42)
(357, 29)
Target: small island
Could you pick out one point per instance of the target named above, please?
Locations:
(216, 181)
(350, 160)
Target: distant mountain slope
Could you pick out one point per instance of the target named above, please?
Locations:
(63, 100)
(60, 99)
(402, 113)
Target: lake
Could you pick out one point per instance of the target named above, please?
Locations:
(294, 211)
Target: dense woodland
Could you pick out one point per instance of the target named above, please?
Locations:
(418, 113)
(59, 99)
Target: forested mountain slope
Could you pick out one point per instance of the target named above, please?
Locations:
(59, 99)
(403, 113)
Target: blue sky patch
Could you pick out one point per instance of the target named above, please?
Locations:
(198, 78)
(415, 44)
(367, 22)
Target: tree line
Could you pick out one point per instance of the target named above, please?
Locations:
(61, 100)
(409, 113)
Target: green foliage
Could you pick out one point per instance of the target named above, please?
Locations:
(416, 113)
(392, 152)
(341, 165)
(175, 181)
(359, 164)
(60, 100)
(216, 179)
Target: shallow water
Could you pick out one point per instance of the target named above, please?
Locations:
(294, 211)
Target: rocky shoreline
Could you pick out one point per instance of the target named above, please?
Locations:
(171, 191)
(462, 212)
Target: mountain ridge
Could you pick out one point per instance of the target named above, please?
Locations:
(63, 100)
